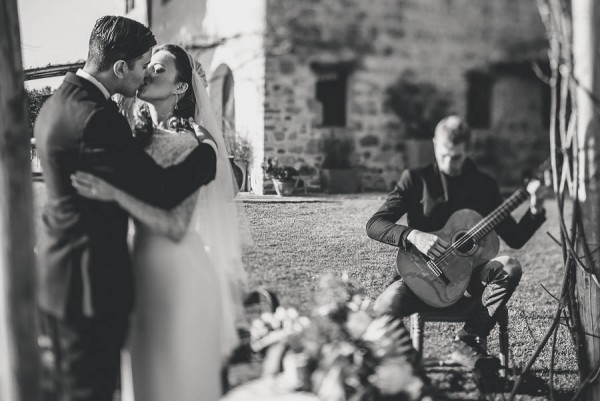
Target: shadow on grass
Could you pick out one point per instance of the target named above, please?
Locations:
(534, 385)
(461, 384)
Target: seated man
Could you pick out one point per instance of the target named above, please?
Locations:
(429, 196)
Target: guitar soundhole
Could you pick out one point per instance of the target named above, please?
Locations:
(467, 247)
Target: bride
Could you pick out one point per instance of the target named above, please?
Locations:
(187, 261)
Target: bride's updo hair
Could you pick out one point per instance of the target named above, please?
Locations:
(187, 103)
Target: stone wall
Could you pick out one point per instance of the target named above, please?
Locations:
(440, 41)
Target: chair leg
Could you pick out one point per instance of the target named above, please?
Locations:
(503, 340)
(417, 325)
(483, 342)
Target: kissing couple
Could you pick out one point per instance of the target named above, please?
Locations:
(162, 161)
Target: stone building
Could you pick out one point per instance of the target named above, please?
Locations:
(294, 75)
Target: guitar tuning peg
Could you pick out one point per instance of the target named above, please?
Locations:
(547, 177)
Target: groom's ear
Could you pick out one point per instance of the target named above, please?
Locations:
(120, 68)
(181, 88)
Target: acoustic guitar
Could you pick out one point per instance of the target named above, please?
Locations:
(442, 281)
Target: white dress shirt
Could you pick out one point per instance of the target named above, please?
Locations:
(89, 77)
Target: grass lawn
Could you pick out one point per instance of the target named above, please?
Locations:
(296, 243)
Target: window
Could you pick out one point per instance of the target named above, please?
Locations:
(129, 5)
(331, 91)
(479, 95)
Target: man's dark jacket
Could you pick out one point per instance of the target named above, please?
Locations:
(84, 267)
(428, 198)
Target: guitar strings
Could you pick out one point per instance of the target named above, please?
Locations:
(475, 230)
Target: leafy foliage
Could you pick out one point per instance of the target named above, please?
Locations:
(239, 147)
(35, 100)
(274, 170)
(337, 153)
(345, 352)
(420, 105)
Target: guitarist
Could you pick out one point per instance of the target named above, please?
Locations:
(428, 196)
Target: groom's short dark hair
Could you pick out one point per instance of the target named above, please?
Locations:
(115, 38)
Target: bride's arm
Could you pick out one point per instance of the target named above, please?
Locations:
(171, 223)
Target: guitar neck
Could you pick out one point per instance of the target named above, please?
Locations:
(490, 222)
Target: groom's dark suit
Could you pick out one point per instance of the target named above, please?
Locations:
(84, 270)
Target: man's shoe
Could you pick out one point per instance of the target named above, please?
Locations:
(469, 353)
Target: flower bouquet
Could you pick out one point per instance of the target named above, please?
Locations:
(341, 353)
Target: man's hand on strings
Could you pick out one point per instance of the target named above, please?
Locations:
(428, 244)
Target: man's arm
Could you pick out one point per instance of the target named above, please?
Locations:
(517, 234)
(382, 225)
(109, 152)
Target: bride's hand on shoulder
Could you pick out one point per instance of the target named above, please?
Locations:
(201, 132)
(92, 187)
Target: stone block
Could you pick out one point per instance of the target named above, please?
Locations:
(312, 147)
(287, 66)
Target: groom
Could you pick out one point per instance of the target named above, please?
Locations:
(85, 277)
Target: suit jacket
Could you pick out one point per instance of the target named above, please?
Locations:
(84, 267)
(428, 199)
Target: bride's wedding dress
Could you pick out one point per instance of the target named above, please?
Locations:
(175, 341)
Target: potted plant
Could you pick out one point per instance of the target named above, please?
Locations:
(337, 174)
(241, 154)
(308, 177)
(284, 177)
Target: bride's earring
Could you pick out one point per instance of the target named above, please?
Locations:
(176, 101)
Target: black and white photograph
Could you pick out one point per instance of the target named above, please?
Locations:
(299, 200)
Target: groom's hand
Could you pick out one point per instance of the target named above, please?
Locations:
(92, 187)
(201, 133)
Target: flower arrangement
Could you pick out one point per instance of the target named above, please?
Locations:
(276, 171)
(342, 353)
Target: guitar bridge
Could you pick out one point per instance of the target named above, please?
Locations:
(444, 279)
(438, 272)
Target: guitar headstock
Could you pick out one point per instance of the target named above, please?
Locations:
(539, 182)
(543, 174)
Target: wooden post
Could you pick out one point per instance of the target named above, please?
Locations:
(19, 361)
(586, 60)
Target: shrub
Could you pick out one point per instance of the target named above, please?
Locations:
(35, 100)
(337, 153)
(419, 104)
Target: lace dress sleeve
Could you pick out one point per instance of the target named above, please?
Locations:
(170, 223)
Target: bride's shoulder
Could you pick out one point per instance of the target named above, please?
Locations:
(185, 138)
(185, 131)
